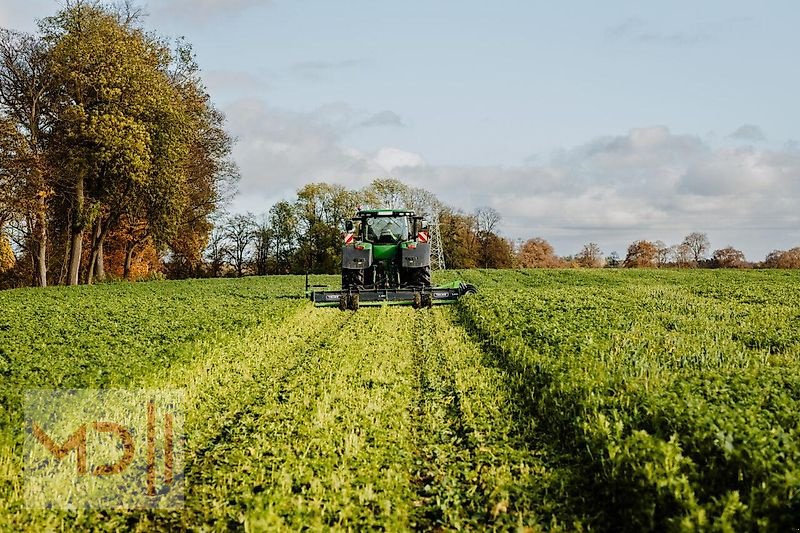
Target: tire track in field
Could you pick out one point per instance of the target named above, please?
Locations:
(475, 467)
(327, 444)
(286, 354)
(223, 388)
(438, 423)
(522, 427)
(207, 489)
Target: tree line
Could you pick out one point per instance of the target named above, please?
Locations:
(109, 148)
(304, 234)
(693, 252)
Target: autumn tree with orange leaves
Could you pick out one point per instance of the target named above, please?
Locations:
(641, 254)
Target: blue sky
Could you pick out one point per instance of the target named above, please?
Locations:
(578, 121)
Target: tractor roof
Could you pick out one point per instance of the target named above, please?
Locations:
(384, 213)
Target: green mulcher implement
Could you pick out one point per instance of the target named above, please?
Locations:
(386, 260)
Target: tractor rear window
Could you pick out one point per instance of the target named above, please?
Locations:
(387, 230)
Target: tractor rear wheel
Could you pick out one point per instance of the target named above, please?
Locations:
(422, 276)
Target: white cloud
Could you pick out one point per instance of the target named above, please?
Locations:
(233, 82)
(279, 151)
(732, 172)
(391, 159)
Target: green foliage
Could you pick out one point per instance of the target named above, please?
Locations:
(111, 334)
(677, 391)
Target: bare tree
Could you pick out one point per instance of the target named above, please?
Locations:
(698, 244)
(239, 233)
(263, 241)
(683, 255)
(590, 256)
(128, 13)
(613, 260)
(424, 203)
(217, 251)
(662, 253)
(487, 220)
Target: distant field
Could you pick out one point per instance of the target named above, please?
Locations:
(554, 399)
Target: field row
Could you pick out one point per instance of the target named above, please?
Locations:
(389, 420)
(680, 399)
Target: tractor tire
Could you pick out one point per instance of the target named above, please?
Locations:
(343, 302)
(427, 301)
(354, 301)
(352, 278)
(417, 300)
(422, 276)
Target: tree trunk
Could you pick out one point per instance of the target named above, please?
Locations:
(41, 255)
(76, 248)
(128, 260)
(97, 269)
(34, 260)
(101, 267)
(93, 254)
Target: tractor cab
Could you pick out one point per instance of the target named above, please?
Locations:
(387, 230)
(385, 226)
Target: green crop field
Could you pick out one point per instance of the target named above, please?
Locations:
(552, 400)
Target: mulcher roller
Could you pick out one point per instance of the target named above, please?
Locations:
(416, 297)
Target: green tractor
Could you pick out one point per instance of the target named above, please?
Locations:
(386, 260)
